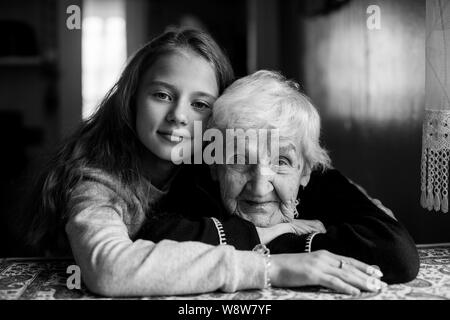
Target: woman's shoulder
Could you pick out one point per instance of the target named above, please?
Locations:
(326, 177)
(328, 183)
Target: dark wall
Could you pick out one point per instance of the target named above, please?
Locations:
(225, 20)
(369, 87)
(40, 98)
(28, 102)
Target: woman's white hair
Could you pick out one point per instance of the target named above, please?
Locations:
(266, 99)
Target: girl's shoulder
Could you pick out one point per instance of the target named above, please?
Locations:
(98, 185)
(91, 179)
(97, 189)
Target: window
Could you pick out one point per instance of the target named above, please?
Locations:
(103, 49)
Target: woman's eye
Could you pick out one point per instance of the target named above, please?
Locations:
(162, 96)
(283, 162)
(201, 105)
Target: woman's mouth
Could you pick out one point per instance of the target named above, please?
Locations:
(261, 213)
(250, 205)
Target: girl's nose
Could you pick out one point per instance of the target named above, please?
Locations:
(178, 114)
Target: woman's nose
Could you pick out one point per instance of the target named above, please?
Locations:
(178, 114)
(261, 181)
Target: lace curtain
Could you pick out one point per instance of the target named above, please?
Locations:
(436, 125)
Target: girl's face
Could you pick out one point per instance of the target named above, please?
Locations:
(178, 89)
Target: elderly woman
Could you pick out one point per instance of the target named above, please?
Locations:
(248, 204)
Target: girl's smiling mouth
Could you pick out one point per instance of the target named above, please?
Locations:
(171, 136)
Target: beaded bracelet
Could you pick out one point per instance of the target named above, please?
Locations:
(263, 250)
(309, 241)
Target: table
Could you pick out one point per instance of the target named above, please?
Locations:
(39, 278)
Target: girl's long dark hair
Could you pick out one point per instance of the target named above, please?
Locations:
(108, 140)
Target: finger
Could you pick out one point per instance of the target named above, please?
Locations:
(299, 230)
(301, 227)
(321, 226)
(304, 226)
(367, 269)
(303, 222)
(338, 285)
(316, 225)
(356, 278)
(376, 271)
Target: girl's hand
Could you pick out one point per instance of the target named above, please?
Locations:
(296, 226)
(343, 274)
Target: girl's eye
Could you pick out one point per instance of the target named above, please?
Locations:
(201, 105)
(162, 96)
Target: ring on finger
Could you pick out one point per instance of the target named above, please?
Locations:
(342, 263)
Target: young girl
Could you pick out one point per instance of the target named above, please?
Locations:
(110, 175)
(126, 145)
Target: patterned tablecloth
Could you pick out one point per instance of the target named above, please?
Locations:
(24, 278)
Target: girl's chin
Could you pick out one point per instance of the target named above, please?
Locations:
(168, 154)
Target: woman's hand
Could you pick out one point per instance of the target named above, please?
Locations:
(326, 269)
(297, 226)
(307, 226)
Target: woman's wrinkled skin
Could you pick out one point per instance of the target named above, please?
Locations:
(264, 193)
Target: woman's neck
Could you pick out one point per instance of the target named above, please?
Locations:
(157, 170)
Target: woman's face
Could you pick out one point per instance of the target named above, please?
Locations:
(263, 193)
(178, 89)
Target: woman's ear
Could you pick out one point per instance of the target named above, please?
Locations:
(306, 175)
(213, 171)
